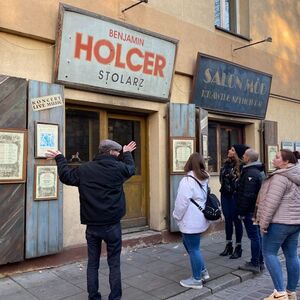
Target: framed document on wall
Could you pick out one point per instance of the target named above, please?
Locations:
(13, 153)
(46, 138)
(181, 149)
(271, 153)
(45, 182)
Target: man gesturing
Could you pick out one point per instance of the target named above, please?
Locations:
(102, 205)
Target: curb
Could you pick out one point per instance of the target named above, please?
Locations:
(215, 285)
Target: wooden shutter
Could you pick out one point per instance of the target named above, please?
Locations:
(44, 218)
(181, 124)
(268, 137)
(13, 93)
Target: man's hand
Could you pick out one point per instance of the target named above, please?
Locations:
(130, 147)
(51, 154)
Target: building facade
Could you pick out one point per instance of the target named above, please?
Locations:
(168, 74)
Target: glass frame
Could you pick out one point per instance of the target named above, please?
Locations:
(177, 166)
(19, 138)
(39, 171)
(41, 139)
(271, 151)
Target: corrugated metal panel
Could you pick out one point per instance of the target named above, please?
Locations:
(13, 92)
(181, 124)
(44, 219)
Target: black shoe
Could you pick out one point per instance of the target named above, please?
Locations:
(228, 250)
(262, 267)
(237, 252)
(248, 266)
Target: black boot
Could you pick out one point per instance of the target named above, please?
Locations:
(237, 252)
(228, 250)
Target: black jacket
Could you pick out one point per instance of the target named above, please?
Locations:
(228, 178)
(249, 185)
(100, 185)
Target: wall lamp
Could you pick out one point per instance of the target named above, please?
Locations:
(268, 39)
(131, 6)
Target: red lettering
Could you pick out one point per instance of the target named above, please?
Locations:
(148, 62)
(111, 55)
(119, 64)
(111, 33)
(85, 47)
(160, 63)
(129, 55)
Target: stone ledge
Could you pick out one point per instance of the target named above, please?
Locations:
(222, 282)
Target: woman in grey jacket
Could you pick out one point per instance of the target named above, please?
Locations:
(190, 219)
(278, 215)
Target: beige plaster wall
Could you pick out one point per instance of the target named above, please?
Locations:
(280, 58)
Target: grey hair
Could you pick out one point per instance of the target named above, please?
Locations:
(252, 154)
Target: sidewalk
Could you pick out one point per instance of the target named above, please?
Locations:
(147, 274)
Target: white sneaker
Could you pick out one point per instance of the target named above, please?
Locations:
(292, 295)
(192, 283)
(204, 274)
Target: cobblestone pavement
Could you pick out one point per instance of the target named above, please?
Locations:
(147, 274)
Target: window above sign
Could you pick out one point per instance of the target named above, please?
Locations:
(232, 16)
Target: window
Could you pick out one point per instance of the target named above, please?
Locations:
(221, 137)
(82, 135)
(233, 16)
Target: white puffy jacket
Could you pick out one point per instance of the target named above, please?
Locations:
(189, 218)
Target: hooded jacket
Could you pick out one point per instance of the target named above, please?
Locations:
(249, 183)
(100, 185)
(188, 216)
(279, 198)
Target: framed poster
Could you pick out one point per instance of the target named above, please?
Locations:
(13, 153)
(287, 145)
(181, 149)
(45, 182)
(46, 138)
(271, 153)
(297, 146)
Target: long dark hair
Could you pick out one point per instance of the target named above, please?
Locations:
(288, 155)
(196, 163)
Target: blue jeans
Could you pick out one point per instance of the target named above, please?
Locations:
(254, 235)
(229, 211)
(286, 237)
(191, 243)
(111, 234)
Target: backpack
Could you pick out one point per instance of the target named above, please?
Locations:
(212, 210)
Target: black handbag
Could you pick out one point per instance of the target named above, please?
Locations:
(212, 210)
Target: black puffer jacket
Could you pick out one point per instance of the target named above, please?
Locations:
(228, 178)
(100, 184)
(249, 185)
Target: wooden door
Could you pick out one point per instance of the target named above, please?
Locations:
(124, 129)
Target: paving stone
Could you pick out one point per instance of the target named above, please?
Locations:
(8, 286)
(35, 279)
(147, 281)
(22, 295)
(222, 282)
(243, 275)
(135, 294)
(167, 291)
(54, 292)
(192, 294)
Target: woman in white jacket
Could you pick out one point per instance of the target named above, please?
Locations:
(190, 219)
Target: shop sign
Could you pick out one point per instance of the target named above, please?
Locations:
(229, 88)
(98, 53)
